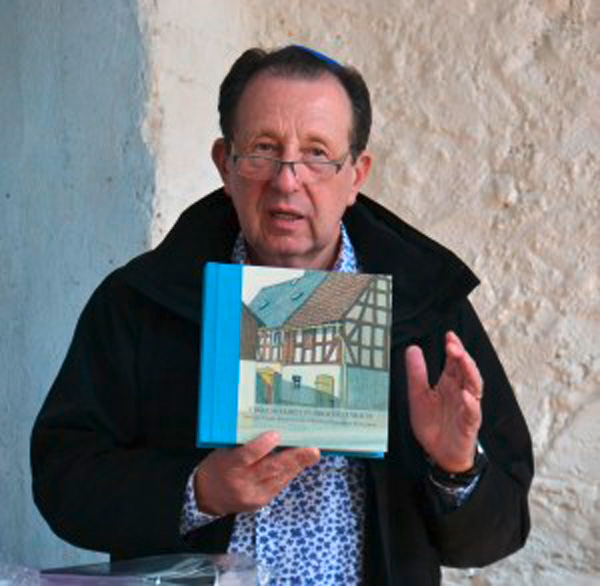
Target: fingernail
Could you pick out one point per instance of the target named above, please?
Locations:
(274, 436)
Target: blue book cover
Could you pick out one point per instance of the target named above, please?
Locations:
(303, 352)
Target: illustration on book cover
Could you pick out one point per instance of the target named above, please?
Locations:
(314, 348)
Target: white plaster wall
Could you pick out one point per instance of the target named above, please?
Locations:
(486, 136)
(189, 44)
(75, 193)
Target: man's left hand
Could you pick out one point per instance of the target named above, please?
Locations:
(446, 418)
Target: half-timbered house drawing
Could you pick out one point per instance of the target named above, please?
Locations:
(321, 340)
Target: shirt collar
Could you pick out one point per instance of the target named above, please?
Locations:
(344, 263)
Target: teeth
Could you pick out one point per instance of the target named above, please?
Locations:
(284, 216)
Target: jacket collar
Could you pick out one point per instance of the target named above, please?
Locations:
(428, 278)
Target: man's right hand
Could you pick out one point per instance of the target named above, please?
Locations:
(248, 477)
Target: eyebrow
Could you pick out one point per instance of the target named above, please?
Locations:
(323, 139)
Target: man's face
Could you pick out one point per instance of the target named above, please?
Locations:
(285, 221)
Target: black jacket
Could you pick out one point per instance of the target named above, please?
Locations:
(113, 445)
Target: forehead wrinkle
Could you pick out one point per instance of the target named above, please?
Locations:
(290, 119)
(292, 131)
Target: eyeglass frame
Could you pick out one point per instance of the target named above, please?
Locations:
(337, 163)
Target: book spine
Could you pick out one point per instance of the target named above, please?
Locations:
(207, 352)
(220, 355)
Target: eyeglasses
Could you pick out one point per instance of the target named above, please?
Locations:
(308, 170)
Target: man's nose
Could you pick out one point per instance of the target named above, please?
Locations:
(286, 177)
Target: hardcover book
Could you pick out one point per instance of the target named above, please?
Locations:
(302, 352)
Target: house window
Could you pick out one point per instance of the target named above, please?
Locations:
(296, 381)
(309, 338)
(365, 357)
(382, 317)
(366, 335)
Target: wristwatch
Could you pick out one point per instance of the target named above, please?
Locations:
(460, 479)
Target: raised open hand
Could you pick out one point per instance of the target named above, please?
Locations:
(446, 418)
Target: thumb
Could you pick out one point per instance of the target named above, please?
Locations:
(255, 450)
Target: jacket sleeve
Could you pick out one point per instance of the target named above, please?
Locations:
(97, 480)
(494, 521)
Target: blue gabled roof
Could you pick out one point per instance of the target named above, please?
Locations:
(274, 305)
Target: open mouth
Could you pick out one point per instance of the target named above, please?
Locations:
(285, 216)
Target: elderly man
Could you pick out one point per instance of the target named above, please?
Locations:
(114, 463)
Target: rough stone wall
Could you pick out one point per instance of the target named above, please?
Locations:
(486, 136)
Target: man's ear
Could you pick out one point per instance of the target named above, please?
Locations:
(360, 169)
(219, 157)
